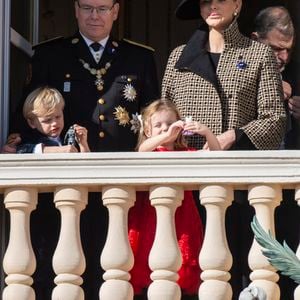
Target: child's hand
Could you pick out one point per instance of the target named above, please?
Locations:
(175, 128)
(196, 127)
(60, 149)
(81, 137)
(81, 133)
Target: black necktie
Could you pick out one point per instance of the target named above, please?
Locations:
(95, 46)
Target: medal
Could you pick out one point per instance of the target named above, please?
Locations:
(98, 73)
(136, 123)
(129, 92)
(121, 115)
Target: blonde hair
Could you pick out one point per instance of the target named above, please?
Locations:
(42, 102)
(149, 111)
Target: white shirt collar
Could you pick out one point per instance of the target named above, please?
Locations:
(103, 42)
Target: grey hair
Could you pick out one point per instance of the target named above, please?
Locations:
(273, 17)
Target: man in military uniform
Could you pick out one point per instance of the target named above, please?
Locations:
(105, 82)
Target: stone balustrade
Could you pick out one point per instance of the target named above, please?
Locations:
(118, 176)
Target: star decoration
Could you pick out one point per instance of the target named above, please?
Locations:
(129, 92)
(136, 123)
(121, 115)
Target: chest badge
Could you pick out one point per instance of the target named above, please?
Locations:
(121, 115)
(129, 92)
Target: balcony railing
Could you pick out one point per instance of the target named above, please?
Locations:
(118, 176)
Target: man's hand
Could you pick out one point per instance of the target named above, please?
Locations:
(294, 107)
(226, 140)
(10, 147)
(287, 90)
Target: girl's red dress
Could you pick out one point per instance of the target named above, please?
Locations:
(141, 232)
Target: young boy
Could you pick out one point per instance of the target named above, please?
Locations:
(43, 110)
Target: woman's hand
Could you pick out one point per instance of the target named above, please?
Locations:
(226, 140)
(196, 127)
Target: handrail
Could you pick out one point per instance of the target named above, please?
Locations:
(236, 167)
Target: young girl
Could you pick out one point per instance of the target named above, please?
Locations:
(163, 130)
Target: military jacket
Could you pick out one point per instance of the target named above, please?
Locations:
(244, 92)
(126, 81)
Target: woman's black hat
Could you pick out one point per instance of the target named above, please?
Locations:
(188, 10)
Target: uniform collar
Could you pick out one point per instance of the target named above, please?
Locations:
(110, 50)
(82, 49)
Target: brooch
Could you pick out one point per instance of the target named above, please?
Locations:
(129, 92)
(121, 115)
(99, 82)
(241, 65)
(136, 123)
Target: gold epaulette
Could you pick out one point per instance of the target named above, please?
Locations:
(139, 44)
(48, 41)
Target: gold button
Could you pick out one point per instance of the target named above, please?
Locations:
(101, 134)
(101, 117)
(101, 101)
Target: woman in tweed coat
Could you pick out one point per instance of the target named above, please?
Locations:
(225, 80)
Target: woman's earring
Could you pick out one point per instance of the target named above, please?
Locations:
(235, 13)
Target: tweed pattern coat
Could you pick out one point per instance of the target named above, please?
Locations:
(243, 93)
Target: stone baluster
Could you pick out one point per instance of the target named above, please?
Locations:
(19, 261)
(264, 199)
(215, 258)
(297, 198)
(117, 256)
(165, 258)
(68, 259)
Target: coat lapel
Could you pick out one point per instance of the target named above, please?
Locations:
(196, 59)
(110, 51)
(83, 51)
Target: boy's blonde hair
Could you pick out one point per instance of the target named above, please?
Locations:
(152, 108)
(42, 102)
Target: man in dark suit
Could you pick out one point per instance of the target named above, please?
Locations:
(274, 27)
(105, 83)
